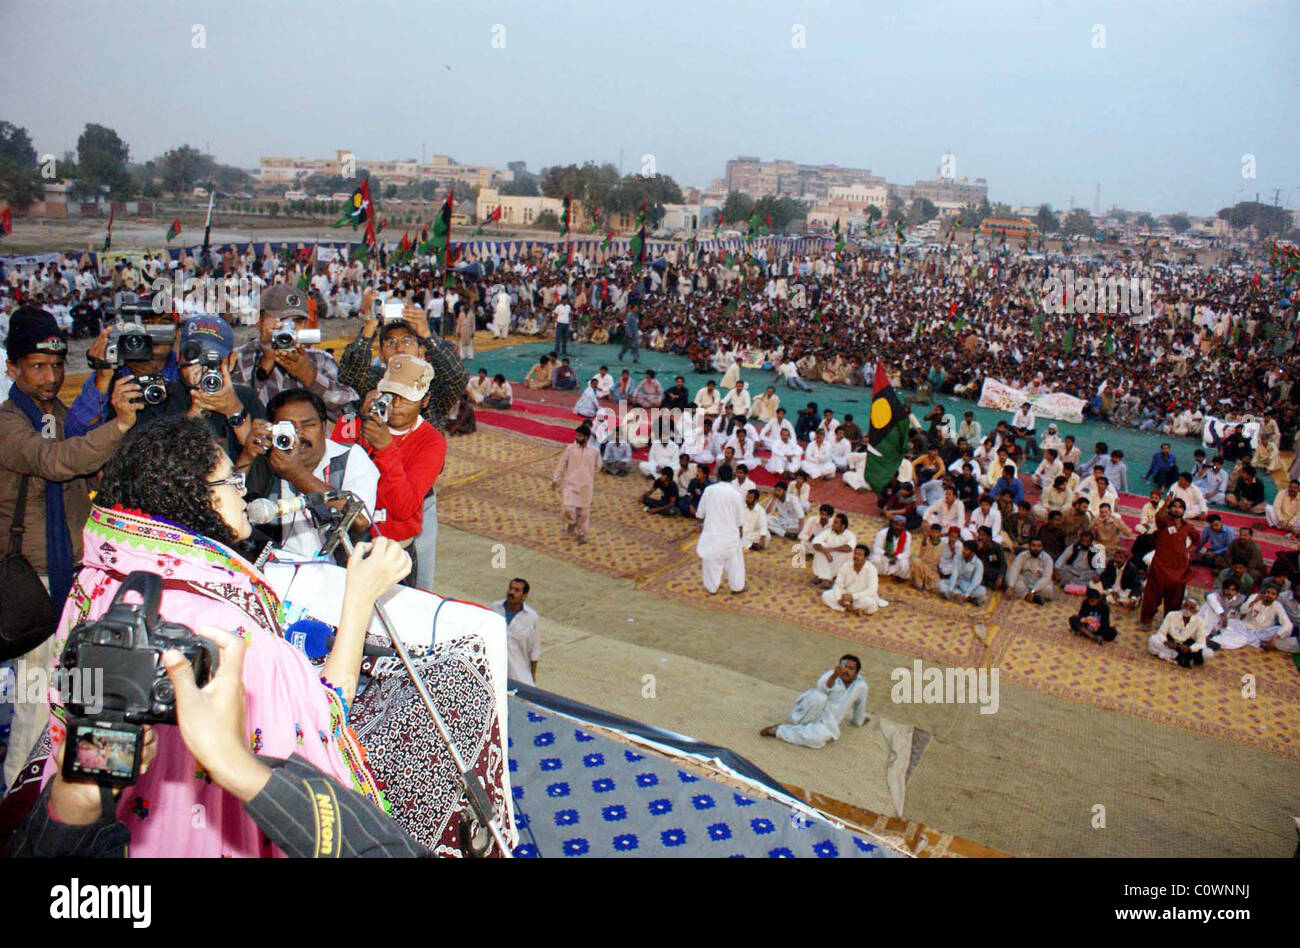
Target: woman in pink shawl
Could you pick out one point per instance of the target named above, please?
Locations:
(171, 504)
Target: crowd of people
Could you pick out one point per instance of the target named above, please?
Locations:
(167, 442)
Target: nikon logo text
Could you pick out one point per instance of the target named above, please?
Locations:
(934, 685)
(103, 901)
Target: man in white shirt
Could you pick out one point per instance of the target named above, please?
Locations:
(707, 400)
(313, 464)
(785, 512)
(719, 549)
(755, 533)
(562, 311)
(1190, 495)
(523, 638)
(1098, 491)
(817, 714)
(662, 454)
(970, 429)
(891, 550)
(772, 429)
(604, 382)
(856, 586)
(1264, 623)
(840, 448)
(1181, 637)
(786, 457)
(737, 401)
(817, 457)
(831, 549)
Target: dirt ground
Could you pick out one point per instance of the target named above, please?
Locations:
(1026, 781)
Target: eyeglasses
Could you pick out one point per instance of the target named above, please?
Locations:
(237, 481)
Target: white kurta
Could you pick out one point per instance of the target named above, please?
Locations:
(817, 460)
(723, 513)
(817, 714)
(755, 528)
(787, 457)
(827, 565)
(863, 585)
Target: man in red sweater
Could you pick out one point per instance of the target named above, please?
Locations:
(1167, 576)
(408, 451)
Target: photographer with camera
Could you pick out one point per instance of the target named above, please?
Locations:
(410, 335)
(279, 359)
(170, 503)
(44, 499)
(293, 454)
(409, 453)
(302, 810)
(144, 347)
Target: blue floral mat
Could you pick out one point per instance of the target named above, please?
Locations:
(578, 792)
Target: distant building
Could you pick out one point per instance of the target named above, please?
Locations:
(442, 170)
(950, 193)
(516, 210)
(783, 178)
(1009, 227)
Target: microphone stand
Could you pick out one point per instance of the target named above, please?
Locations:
(337, 523)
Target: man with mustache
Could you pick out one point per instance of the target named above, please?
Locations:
(313, 463)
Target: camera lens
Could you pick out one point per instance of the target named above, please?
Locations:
(210, 382)
(155, 394)
(284, 442)
(163, 691)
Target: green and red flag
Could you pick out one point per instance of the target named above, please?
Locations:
(358, 209)
(887, 437)
(953, 317)
(1067, 341)
(609, 239)
(595, 220)
(493, 217)
(175, 229)
(753, 225)
(6, 222)
(717, 225)
(108, 234)
(566, 214)
(839, 239)
(636, 247)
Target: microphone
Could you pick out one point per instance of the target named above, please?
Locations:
(264, 510)
(313, 637)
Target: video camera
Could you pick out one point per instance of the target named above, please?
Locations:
(134, 342)
(290, 337)
(126, 643)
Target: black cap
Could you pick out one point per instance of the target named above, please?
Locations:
(32, 329)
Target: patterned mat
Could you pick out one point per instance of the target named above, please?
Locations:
(1031, 645)
(579, 792)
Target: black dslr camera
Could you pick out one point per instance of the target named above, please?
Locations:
(126, 644)
(209, 361)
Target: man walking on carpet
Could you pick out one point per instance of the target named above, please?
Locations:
(817, 714)
(577, 472)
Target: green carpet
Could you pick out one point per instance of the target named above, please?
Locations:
(514, 361)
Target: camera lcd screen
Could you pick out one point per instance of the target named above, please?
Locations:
(393, 312)
(106, 752)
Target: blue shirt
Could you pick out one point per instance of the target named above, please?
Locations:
(1012, 487)
(1216, 541)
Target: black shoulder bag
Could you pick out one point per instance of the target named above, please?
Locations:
(28, 618)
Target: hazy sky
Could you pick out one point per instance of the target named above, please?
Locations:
(1161, 116)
